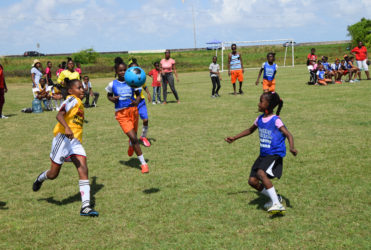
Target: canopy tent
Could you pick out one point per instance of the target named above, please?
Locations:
(215, 44)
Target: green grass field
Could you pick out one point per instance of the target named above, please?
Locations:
(196, 195)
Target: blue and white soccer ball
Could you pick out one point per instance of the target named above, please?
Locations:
(135, 77)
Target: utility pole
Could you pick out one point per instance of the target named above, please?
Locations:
(194, 27)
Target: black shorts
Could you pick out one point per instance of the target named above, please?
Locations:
(271, 164)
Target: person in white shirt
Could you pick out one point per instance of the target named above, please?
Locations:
(215, 77)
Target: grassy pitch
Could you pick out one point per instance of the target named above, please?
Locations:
(196, 195)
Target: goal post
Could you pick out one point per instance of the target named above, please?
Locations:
(259, 49)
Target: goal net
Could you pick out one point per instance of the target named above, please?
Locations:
(254, 53)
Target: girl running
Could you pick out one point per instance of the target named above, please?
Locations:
(268, 165)
(67, 145)
(122, 95)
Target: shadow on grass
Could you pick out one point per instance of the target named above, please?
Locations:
(133, 163)
(3, 205)
(10, 115)
(262, 199)
(94, 188)
(151, 190)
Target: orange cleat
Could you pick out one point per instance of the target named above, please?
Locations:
(145, 141)
(144, 168)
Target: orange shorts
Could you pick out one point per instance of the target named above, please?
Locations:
(236, 74)
(128, 119)
(269, 85)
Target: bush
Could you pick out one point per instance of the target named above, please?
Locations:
(86, 56)
(360, 32)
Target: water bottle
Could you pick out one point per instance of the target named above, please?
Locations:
(36, 106)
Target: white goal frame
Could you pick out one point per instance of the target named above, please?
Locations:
(290, 41)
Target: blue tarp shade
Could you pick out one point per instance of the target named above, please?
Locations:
(215, 42)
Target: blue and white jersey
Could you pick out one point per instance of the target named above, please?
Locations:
(321, 74)
(335, 66)
(326, 65)
(269, 71)
(235, 62)
(124, 91)
(272, 141)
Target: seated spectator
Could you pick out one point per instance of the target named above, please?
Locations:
(327, 66)
(56, 96)
(41, 92)
(336, 69)
(89, 92)
(353, 70)
(321, 79)
(343, 68)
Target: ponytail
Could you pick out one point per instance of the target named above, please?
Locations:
(280, 104)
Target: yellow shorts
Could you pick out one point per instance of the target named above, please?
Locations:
(269, 85)
(236, 74)
(128, 119)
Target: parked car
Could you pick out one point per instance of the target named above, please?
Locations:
(33, 53)
(288, 44)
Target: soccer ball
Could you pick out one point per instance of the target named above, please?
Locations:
(135, 77)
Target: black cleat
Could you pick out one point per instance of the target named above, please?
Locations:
(241, 92)
(37, 184)
(88, 211)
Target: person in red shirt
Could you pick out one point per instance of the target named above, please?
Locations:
(361, 57)
(156, 82)
(3, 90)
(311, 56)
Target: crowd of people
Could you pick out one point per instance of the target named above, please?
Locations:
(52, 94)
(323, 72)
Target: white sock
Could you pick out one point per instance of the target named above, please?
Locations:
(144, 131)
(141, 158)
(273, 195)
(43, 176)
(85, 192)
(264, 192)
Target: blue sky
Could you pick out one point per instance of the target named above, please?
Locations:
(63, 26)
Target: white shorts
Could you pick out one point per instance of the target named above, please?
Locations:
(63, 148)
(362, 65)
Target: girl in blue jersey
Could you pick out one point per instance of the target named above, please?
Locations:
(126, 107)
(272, 133)
(270, 70)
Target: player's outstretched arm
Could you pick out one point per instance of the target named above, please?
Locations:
(290, 138)
(242, 134)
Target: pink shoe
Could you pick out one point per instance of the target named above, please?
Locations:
(145, 169)
(145, 141)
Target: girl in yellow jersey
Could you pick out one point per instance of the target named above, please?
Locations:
(67, 74)
(67, 145)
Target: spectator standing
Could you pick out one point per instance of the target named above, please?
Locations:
(215, 77)
(3, 90)
(36, 73)
(361, 57)
(156, 83)
(235, 68)
(167, 66)
(48, 72)
(311, 56)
